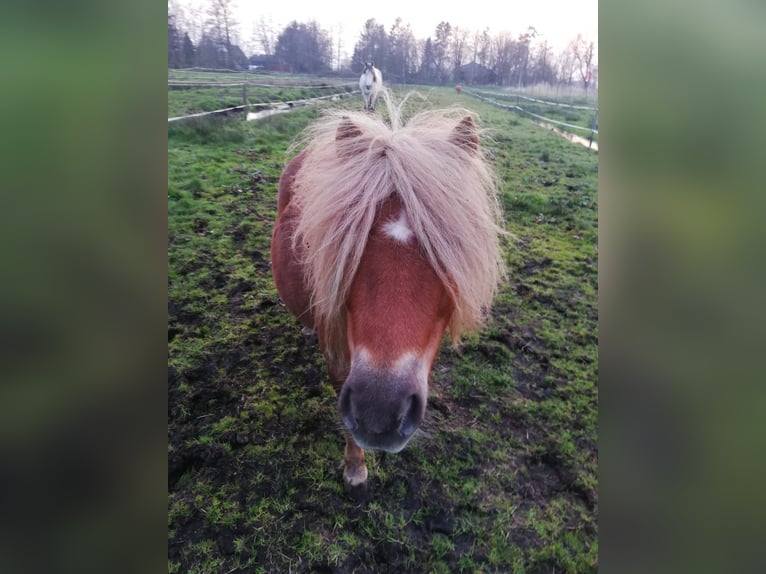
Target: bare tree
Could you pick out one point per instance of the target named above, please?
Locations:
(566, 65)
(459, 50)
(441, 44)
(501, 57)
(484, 48)
(475, 44)
(583, 52)
(340, 45)
(543, 70)
(187, 18)
(522, 54)
(221, 27)
(264, 36)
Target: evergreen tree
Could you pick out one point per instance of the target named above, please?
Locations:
(372, 45)
(428, 63)
(305, 47)
(188, 52)
(175, 56)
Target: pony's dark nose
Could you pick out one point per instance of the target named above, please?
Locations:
(381, 412)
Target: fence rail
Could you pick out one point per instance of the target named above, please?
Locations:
(191, 84)
(494, 102)
(550, 103)
(289, 103)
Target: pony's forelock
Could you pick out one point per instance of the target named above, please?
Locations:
(449, 193)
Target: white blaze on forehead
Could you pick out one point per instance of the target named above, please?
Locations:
(399, 229)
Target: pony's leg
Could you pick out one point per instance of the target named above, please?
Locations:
(354, 470)
(309, 335)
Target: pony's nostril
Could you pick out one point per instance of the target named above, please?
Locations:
(346, 412)
(350, 423)
(411, 418)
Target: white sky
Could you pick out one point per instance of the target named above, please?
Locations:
(559, 21)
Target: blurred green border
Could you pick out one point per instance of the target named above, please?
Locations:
(83, 301)
(681, 305)
(83, 305)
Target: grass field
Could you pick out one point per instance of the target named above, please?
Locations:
(187, 93)
(503, 477)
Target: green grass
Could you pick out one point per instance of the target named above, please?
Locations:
(502, 477)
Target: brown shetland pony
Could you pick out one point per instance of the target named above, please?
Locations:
(386, 237)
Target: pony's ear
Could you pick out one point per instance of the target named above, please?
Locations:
(345, 135)
(466, 135)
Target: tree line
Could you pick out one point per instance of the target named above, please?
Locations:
(450, 55)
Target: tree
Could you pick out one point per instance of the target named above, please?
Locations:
(542, 69)
(175, 55)
(583, 52)
(264, 36)
(339, 45)
(443, 36)
(484, 48)
(402, 57)
(428, 72)
(522, 55)
(209, 54)
(566, 65)
(459, 51)
(221, 28)
(501, 62)
(372, 45)
(188, 52)
(305, 47)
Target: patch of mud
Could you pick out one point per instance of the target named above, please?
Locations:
(251, 116)
(574, 138)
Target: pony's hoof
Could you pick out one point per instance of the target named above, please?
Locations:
(309, 335)
(356, 485)
(355, 476)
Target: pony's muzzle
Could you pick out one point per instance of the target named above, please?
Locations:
(381, 411)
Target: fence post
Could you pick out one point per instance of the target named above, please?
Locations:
(244, 99)
(593, 125)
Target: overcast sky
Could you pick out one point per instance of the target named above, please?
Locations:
(559, 21)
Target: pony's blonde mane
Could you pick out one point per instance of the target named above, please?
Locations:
(448, 192)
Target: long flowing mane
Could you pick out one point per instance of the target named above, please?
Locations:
(449, 193)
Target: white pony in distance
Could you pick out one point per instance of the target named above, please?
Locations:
(370, 83)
